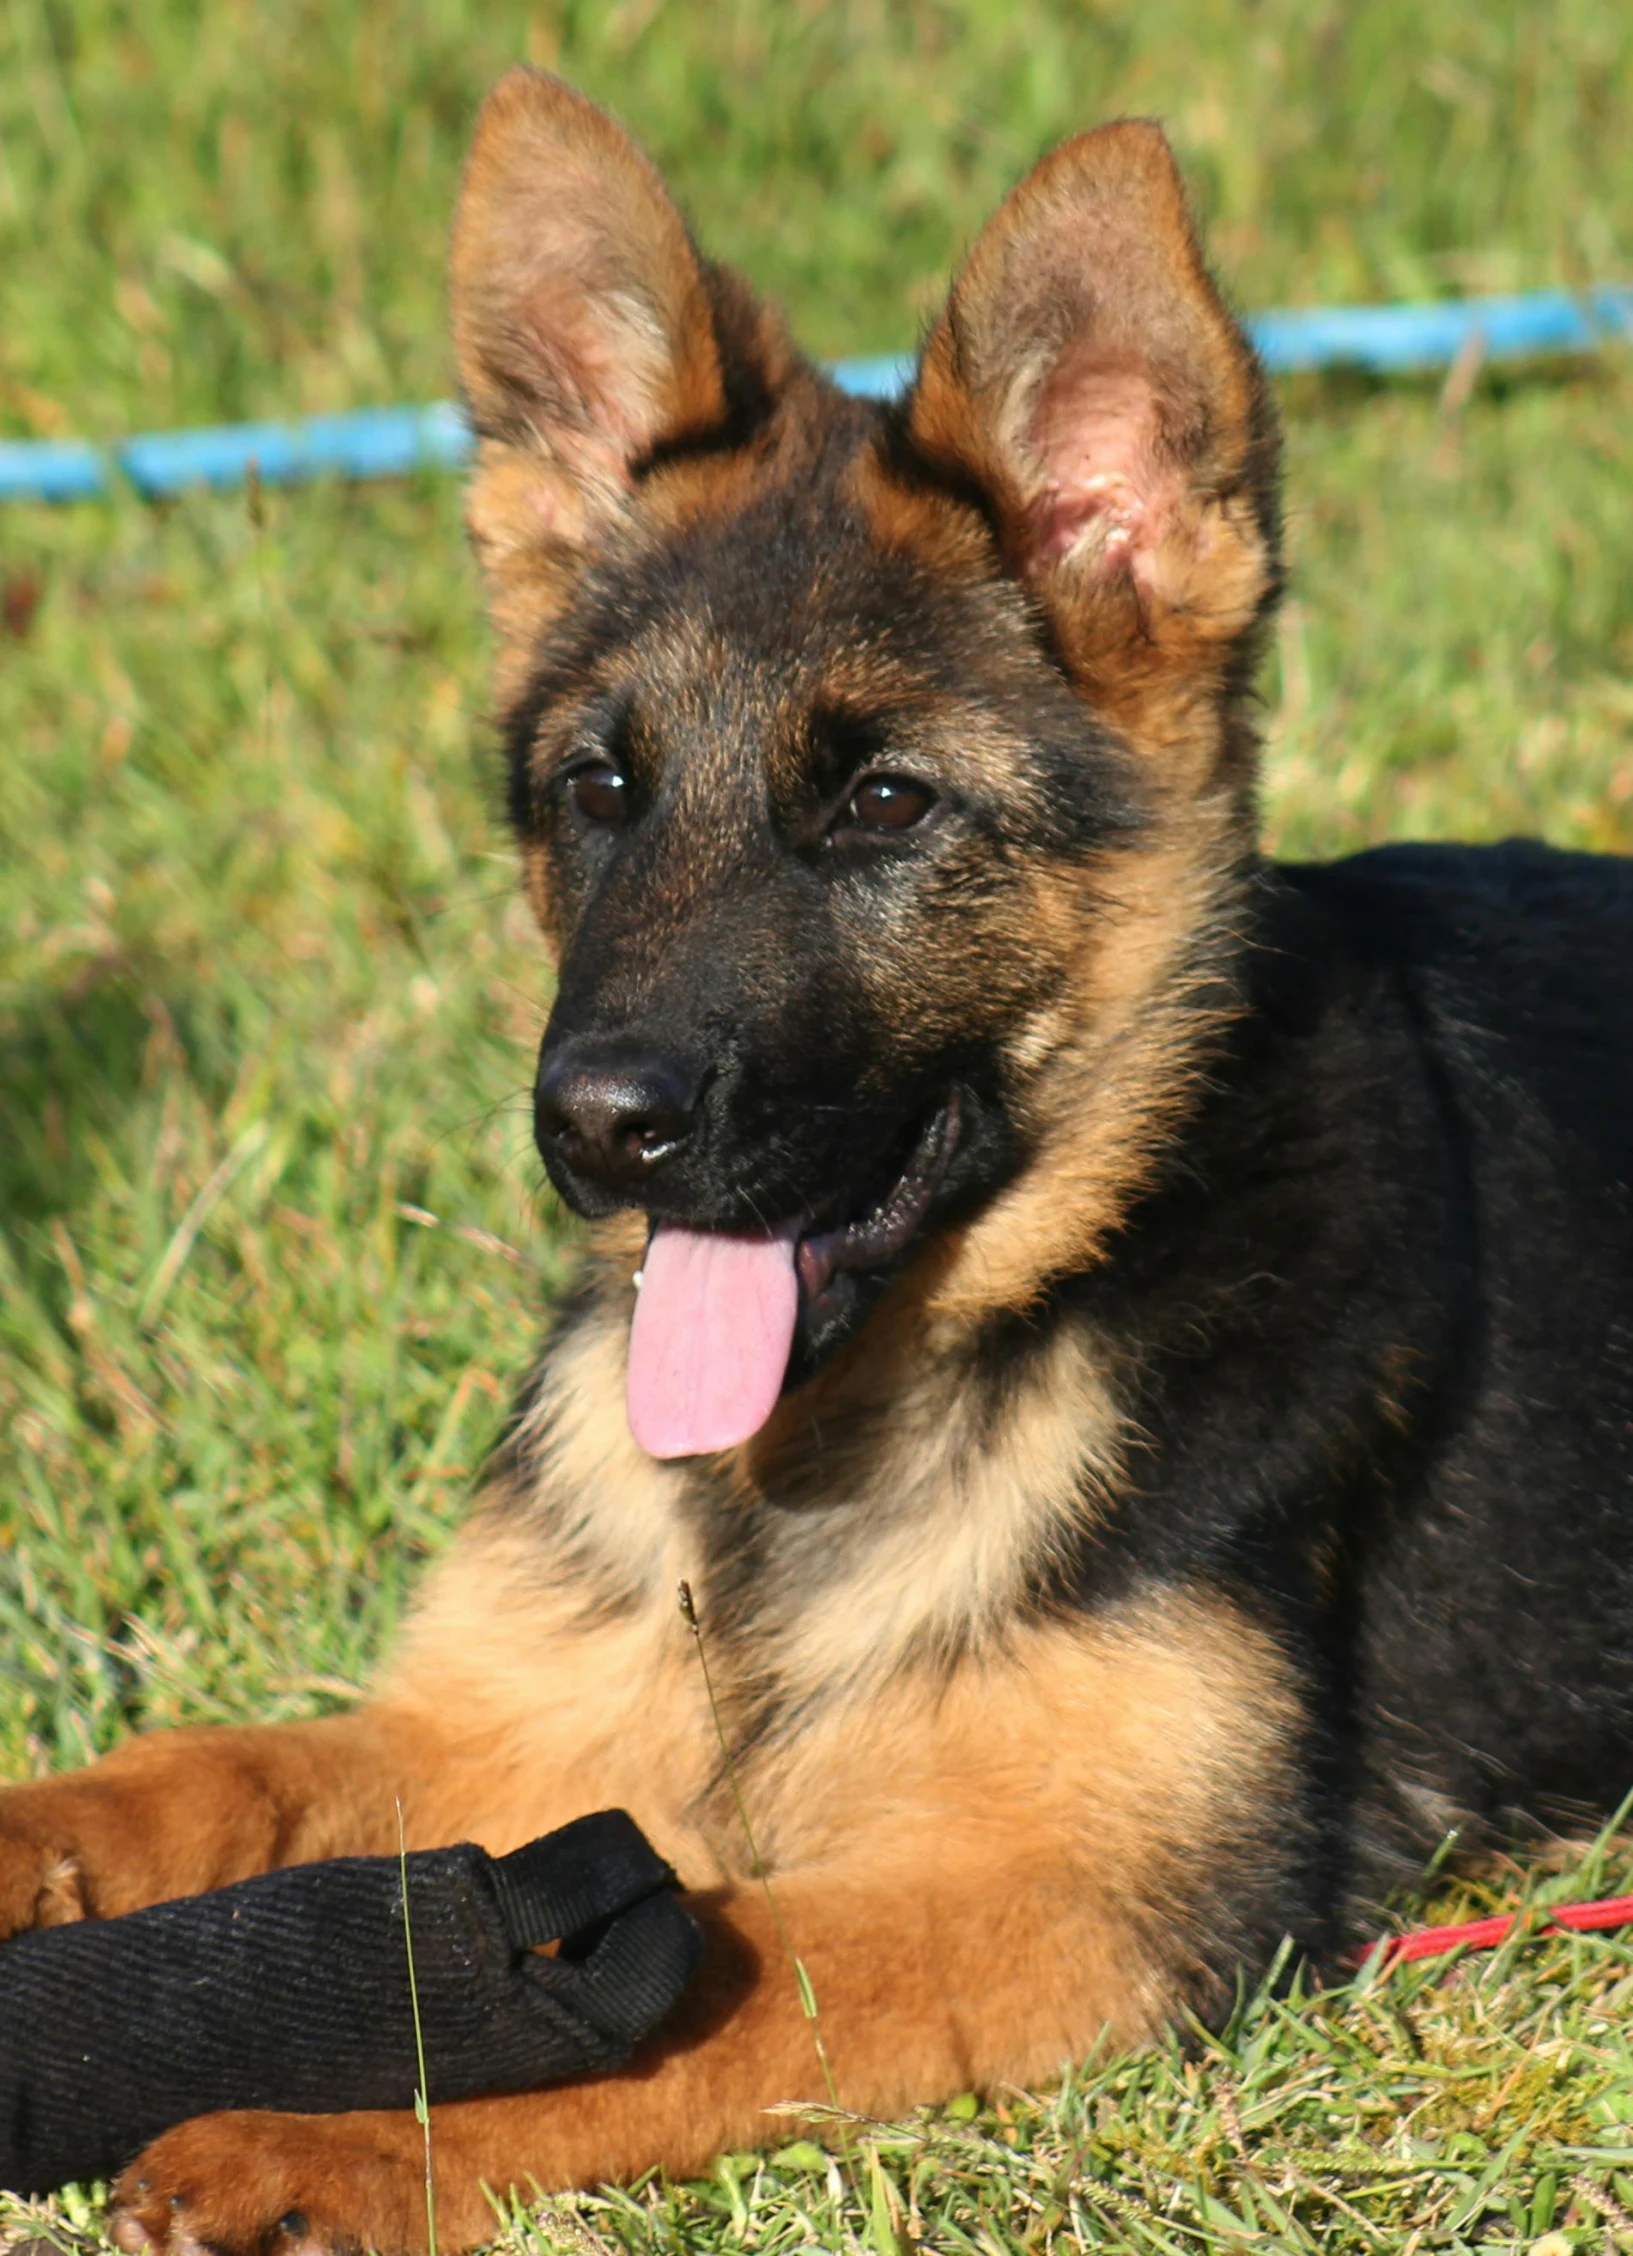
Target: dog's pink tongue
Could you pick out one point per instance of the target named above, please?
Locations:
(714, 1322)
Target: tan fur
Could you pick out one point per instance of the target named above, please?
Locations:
(968, 1517)
(187, 1810)
(939, 1525)
(1139, 1725)
(1112, 1071)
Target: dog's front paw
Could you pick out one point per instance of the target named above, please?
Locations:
(42, 1871)
(262, 2184)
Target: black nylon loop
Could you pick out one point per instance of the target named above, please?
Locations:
(573, 1878)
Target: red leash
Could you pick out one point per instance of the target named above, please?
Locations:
(1486, 1934)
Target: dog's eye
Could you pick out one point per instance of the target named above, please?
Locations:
(601, 794)
(887, 802)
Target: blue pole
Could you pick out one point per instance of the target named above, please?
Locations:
(383, 442)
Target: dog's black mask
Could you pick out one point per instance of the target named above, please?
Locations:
(790, 798)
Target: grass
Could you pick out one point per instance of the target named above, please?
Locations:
(272, 1242)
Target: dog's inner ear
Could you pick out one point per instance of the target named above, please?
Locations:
(585, 329)
(1086, 376)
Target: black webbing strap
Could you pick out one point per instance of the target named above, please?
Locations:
(291, 1991)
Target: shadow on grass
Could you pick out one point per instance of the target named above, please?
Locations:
(76, 1060)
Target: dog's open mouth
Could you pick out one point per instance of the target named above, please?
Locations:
(717, 1310)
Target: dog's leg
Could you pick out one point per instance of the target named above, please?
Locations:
(178, 1811)
(928, 1982)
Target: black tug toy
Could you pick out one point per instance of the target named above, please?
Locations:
(291, 1991)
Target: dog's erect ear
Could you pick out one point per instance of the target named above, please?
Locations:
(586, 332)
(1087, 378)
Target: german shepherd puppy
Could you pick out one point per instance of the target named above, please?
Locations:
(1130, 1346)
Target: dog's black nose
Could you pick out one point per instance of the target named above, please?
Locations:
(615, 1118)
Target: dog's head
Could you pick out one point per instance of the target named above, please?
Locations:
(881, 775)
